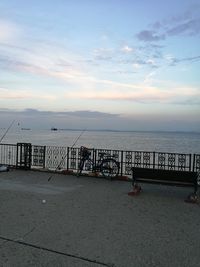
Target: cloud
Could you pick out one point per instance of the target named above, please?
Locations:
(149, 36)
(7, 94)
(103, 54)
(174, 61)
(141, 93)
(125, 72)
(46, 65)
(149, 77)
(84, 85)
(127, 49)
(189, 59)
(19, 94)
(8, 31)
(187, 24)
(54, 62)
(191, 27)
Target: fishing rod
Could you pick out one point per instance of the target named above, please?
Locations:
(76, 140)
(7, 130)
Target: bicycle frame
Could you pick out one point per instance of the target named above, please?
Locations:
(95, 166)
(105, 163)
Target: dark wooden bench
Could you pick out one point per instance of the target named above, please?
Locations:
(161, 176)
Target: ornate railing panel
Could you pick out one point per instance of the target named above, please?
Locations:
(73, 158)
(196, 162)
(56, 157)
(127, 162)
(173, 161)
(38, 156)
(8, 154)
(137, 159)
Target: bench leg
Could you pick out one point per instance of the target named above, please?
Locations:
(196, 187)
(135, 191)
(193, 198)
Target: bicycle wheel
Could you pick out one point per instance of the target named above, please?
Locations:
(109, 168)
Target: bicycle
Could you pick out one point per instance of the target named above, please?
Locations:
(106, 164)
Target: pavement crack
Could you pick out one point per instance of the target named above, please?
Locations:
(19, 238)
(23, 243)
(26, 234)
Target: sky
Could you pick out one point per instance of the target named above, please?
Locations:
(109, 64)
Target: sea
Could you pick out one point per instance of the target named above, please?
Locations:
(172, 142)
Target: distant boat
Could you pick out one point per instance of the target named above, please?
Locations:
(53, 129)
(25, 129)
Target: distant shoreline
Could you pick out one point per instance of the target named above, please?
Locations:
(107, 130)
(127, 131)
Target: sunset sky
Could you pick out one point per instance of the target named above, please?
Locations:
(100, 64)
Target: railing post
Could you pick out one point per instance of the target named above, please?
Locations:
(154, 160)
(194, 160)
(67, 158)
(122, 162)
(190, 162)
(44, 157)
(95, 156)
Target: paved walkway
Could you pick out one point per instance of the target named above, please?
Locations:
(90, 222)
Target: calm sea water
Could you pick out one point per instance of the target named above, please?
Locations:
(177, 142)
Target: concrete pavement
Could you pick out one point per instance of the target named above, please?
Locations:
(88, 222)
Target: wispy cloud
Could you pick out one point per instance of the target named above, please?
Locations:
(149, 36)
(187, 24)
(142, 93)
(127, 49)
(174, 61)
(83, 84)
(8, 31)
(191, 27)
(7, 94)
(103, 54)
